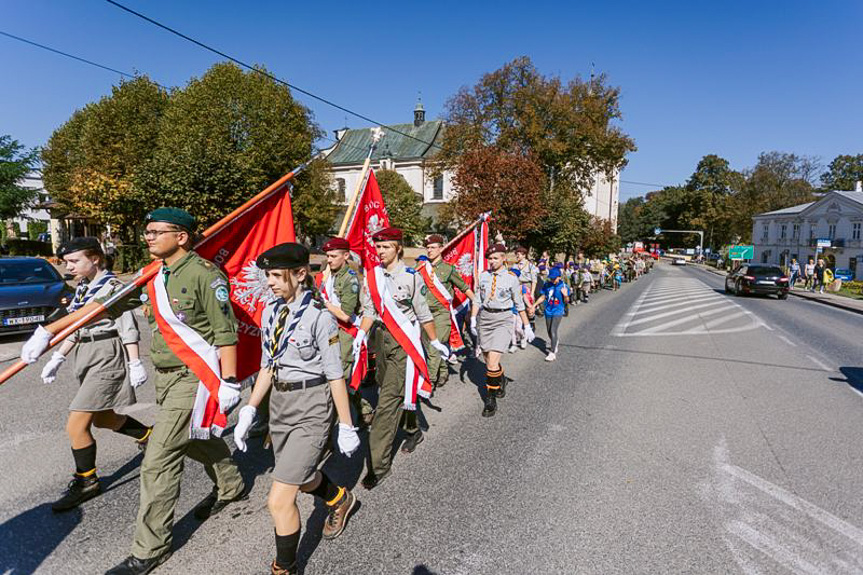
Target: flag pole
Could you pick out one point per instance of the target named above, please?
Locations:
(482, 217)
(76, 320)
(377, 134)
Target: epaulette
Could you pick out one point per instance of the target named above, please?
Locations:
(352, 272)
(410, 270)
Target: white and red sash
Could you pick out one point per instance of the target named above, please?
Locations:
(405, 332)
(442, 295)
(360, 362)
(201, 357)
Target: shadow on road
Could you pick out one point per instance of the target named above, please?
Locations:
(853, 377)
(28, 539)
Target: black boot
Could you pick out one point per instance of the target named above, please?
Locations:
(490, 407)
(131, 565)
(501, 392)
(79, 490)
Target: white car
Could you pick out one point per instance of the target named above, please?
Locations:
(678, 262)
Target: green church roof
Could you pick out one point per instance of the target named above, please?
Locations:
(400, 142)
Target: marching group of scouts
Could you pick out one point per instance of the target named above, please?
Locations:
(310, 337)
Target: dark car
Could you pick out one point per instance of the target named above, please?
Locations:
(32, 292)
(763, 279)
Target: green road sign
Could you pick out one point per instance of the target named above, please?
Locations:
(741, 252)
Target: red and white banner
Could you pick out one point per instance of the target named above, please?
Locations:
(442, 295)
(467, 254)
(370, 217)
(405, 332)
(361, 363)
(201, 357)
(234, 249)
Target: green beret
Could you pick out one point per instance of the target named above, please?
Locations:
(174, 216)
(284, 257)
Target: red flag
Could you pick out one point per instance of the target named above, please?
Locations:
(370, 217)
(467, 254)
(235, 249)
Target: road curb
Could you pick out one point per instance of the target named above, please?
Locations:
(829, 302)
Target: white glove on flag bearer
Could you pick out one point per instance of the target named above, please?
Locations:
(528, 333)
(444, 350)
(229, 396)
(348, 439)
(473, 326)
(49, 372)
(36, 345)
(358, 341)
(244, 423)
(137, 373)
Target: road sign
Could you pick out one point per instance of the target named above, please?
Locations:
(657, 231)
(823, 243)
(741, 252)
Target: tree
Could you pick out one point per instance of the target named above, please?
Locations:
(843, 173)
(404, 205)
(561, 132)
(313, 201)
(91, 162)
(225, 137)
(15, 163)
(707, 198)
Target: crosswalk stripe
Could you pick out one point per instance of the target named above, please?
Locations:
(665, 305)
(682, 320)
(676, 312)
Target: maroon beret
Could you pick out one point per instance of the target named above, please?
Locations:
(434, 239)
(388, 235)
(521, 250)
(495, 249)
(336, 244)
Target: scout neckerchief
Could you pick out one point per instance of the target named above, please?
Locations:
(405, 332)
(86, 291)
(279, 332)
(442, 295)
(360, 357)
(197, 354)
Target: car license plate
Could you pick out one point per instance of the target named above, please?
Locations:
(23, 320)
(766, 282)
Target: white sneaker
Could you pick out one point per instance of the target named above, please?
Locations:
(551, 357)
(513, 348)
(524, 343)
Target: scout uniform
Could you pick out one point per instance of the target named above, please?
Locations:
(450, 278)
(199, 296)
(345, 285)
(409, 291)
(99, 363)
(499, 293)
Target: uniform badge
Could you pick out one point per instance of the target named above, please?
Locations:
(144, 298)
(424, 290)
(355, 287)
(222, 293)
(181, 316)
(218, 282)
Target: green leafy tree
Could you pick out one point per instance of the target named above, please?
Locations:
(15, 163)
(223, 138)
(313, 201)
(404, 205)
(843, 173)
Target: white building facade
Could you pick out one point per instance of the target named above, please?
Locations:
(830, 227)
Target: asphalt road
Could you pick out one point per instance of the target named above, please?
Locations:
(680, 431)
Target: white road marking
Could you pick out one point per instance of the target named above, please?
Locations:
(786, 340)
(819, 363)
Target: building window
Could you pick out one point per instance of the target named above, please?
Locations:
(811, 231)
(783, 231)
(340, 190)
(795, 231)
(765, 229)
(855, 231)
(831, 231)
(852, 265)
(437, 192)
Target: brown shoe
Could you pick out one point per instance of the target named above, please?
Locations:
(368, 418)
(338, 515)
(277, 569)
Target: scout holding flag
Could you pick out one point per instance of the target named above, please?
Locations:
(100, 366)
(340, 290)
(302, 371)
(491, 321)
(395, 296)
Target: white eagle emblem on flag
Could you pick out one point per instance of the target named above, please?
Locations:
(250, 287)
(465, 265)
(374, 225)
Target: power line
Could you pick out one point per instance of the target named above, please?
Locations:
(72, 56)
(264, 73)
(644, 184)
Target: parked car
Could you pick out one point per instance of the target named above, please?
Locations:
(32, 292)
(678, 261)
(843, 274)
(763, 279)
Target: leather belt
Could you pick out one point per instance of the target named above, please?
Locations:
(170, 369)
(492, 310)
(99, 336)
(298, 385)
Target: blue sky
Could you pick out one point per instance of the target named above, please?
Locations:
(732, 78)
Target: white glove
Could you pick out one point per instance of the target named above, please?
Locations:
(49, 372)
(528, 333)
(137, 373)
(473, 326)
(36, 345)
(358, 341)
(244, 423)
(444, 350)
(349, 442)
(229, 396)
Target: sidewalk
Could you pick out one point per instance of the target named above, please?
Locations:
(839, 301)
